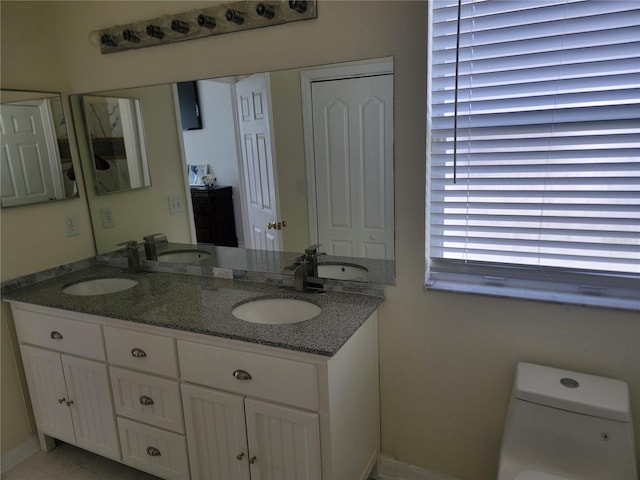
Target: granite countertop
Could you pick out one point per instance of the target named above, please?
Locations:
(203, 305)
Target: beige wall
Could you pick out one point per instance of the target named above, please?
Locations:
(447, 360)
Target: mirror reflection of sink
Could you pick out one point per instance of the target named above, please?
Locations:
(276, 311)
(340, 271)
(99, 286)
(183, 256)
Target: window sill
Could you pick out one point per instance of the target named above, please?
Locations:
(536, 295)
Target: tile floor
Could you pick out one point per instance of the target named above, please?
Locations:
(66, 462)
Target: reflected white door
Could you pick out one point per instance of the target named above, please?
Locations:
(353, 149)
(258, 163)
(26, 155)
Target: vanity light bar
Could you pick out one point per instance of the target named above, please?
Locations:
(202, 22)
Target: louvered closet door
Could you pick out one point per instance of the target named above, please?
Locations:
(48, 392)
(284, 443)
(216, 434)
(91, 407)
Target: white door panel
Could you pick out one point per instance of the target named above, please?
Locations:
(27, 155)
(258, 162)
(353, 150)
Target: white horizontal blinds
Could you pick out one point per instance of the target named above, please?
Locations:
(548, 136)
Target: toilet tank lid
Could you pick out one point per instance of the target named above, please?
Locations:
(573, 391)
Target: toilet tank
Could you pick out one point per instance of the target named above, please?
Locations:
(569, 424)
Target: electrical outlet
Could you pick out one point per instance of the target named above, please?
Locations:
(222, 272)
(71, 224)
(107, 217)
(175, 204)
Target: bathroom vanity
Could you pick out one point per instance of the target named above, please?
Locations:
(161, 376)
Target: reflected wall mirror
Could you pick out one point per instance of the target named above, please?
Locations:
(36, 163)
(306, 155)
(115, 135)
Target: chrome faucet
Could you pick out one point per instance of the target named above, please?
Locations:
(133, 257)
(151, 243)
(305, 270)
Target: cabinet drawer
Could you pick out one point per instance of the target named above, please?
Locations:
(147, 398)
(141, 351)
(277, 379)
(59, 333)
(153, 450)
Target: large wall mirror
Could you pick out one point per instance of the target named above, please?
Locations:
(36, 163)
(289, 158)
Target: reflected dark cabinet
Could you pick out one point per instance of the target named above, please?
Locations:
(213, 215)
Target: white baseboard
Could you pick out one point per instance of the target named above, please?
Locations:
(20, 453)
(391, 469)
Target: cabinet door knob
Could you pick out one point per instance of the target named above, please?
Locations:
(153, 452)
(144, 400)
(69, 403)
(138, 353)
(252, 460)
(62, 400)
(240, 456)
(56, 335)
(241, 375)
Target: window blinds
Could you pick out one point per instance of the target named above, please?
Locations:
(547, 144)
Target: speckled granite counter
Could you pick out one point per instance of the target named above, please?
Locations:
(204, 305)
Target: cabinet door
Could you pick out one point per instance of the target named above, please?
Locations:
(91, 406)
(216, 434)
(48, 392)
(284, 443)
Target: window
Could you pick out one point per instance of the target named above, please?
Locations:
(534, 149)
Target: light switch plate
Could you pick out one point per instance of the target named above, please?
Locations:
(71, 224)
(107, 217)
(175, 204)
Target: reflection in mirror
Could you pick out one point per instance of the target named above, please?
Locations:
(258, 141)
(35, 157)
(116, 138)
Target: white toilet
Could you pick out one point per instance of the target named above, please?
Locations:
(564, 425)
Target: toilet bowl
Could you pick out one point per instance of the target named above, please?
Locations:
(564, 425)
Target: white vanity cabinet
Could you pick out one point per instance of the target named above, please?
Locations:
(71, 396)
(183, 405)
(262, 413)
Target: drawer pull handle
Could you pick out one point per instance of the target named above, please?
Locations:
(240, 456)
(153, 452)
(62, 400)
(144, 400)
(241, 375)
(252, 460)
(56, 335)
(138, 353)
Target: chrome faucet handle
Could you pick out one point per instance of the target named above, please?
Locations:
(155, 237)
(312, 249)
(128, 244)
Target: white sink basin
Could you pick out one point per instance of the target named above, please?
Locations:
(342, 272)
(276, 311)
(99, 286)
(183, 256)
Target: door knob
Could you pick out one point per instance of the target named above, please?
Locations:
(240, 456)
(252, 460)
(276, 225)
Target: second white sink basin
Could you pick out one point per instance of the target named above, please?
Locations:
(276, 311)
(183, 256)
(341, 271)
(99, 286)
